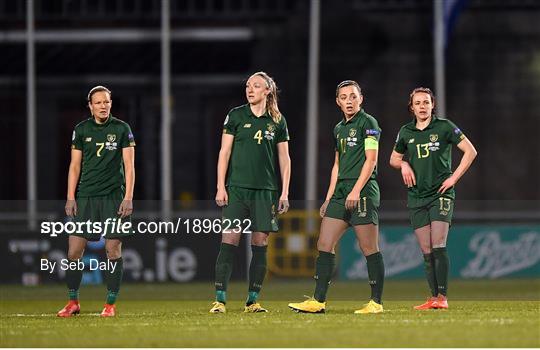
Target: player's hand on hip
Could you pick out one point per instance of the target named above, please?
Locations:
(222, 198)
(283, 205)
(71, 207)
(448, 183)
(322, 211)
(126, 208)
(352, 200)
(408, 174)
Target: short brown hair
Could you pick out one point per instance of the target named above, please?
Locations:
(424, 90)
(348, 83)
(97, 89)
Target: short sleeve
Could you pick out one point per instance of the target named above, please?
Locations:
(335, 137)
(230, 125)
(371, 134)
(77, 139)
(128, 140)
(372, 130)
(455, 134)
(283, 135)
(400, 146)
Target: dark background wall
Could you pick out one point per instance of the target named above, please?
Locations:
(493, 84)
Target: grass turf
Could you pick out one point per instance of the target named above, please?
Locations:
(482, 314)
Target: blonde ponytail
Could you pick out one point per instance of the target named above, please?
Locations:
(271, 98)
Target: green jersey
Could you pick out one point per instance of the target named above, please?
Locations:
(253, 158)
(102, 169)
(429, 152)
(351, 138)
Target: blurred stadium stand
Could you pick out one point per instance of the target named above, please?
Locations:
(493, 84)
(493, 70)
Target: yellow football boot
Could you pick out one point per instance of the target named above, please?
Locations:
(218, 308)
(370, 308)
(309, 306)
(255, 308)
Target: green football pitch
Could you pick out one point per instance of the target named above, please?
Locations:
(482, 313)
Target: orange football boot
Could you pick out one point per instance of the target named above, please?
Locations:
(442, 302)
(431, 303)
(72, 308)
(109, 310)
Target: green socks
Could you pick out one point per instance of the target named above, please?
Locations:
(221, 296)
(73, 279)
(252, 298)
(436, 266)
(114, 279)
(257, 272)
(375, 267)
(111, 297)
(442, 265)
(429, 269)
(73, 294)
(224, 267)
(324, 267)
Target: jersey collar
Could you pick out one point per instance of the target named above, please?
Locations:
(250, 113)
(107, 122)
(412, 125)
(354, 118)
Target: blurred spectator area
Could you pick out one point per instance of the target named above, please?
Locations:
(493, 83)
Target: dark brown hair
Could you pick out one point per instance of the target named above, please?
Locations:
(424, 90)
(97, 89)
(348, 83)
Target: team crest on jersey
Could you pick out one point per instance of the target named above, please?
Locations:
(111, 145)
(269, 133)
(433, 145)
(351, 139)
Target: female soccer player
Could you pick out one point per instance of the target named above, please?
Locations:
(353, 199)
(427, 173)
(102, 173)
(254, 135)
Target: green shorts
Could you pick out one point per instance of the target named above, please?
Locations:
(438, 209)
(99, 209)
(251, 206)
(367, 211)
